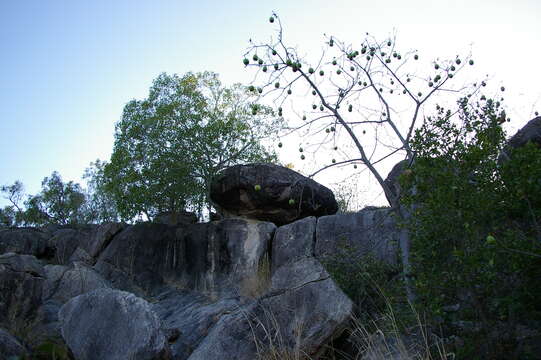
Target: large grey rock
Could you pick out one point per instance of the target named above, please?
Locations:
(233, 190)
(226, 256)
(211, 257)
(100, 238)
(294, 242)
(530, 132)
(111, 324)
(392, 180)
(66, 282)
(21, 284)
(302, 311)
(26, 241)
(305, 317)
(22, 310)
(65, 241)
(10, 347)
(188, 316)
(143, 254)
(365, 233)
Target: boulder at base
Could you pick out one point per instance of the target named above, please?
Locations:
(10, 347)
(111, 324)
(270, 192)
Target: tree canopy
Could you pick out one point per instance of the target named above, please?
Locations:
(57, 203)
(169, 145)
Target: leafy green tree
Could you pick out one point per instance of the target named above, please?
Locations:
(57, 203)
(476, 240)
(170, 145)
(11, 215)
(99, 206)
(365, 101)
(7, 216)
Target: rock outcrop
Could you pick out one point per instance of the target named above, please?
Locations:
(270, 193)
(392, 180)
(112, 324)
(192, 290)
(531, 132)
(369, 232)
(25, 241)
(303, 308)
(10, 347)
(21, 282)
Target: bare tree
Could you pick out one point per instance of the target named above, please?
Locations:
(354, 89)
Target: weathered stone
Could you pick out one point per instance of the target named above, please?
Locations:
(111, 324)
(101, 237)
(65, 241)
(282, 195)
(21, 283)
(176, 218)
(10, 347)
(305, 317)
(365, 233)
(188, 316)
(28, 241)
(66, 282)
(80, 255)
(392, 180)
(294, 242)
(302, 311)
(530, 132)
(145, 254)
(226, 256)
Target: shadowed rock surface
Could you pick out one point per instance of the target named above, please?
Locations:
(10, 347)
(66, 282)
(157, 291)
(21, 281)
(370, 232)
(66, 241)
(188, 317)
(392, 179)
(530, 132)
(176, 218)
(234, 191)
(141, 257)
(303, 308)
(112, 324)
(26, 241)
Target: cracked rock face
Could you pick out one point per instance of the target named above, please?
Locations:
(303, 307)
(281, 196)
(112, 324)
(21, 283)
(182, 292)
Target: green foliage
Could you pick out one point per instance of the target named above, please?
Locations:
(170, 145)
(99, 206)
(51, 350)
(475, 228)
(12, 215)
(57, 203)
(368, 282)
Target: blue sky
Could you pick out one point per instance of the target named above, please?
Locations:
(67, 68)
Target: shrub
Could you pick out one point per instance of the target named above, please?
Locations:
(476, 240)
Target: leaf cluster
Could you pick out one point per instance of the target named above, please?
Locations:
(169, 145)
(476, 240)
